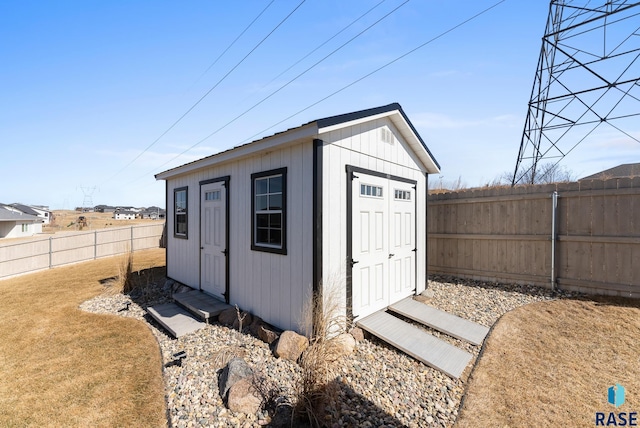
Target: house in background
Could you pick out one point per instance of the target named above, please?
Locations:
(336, 203)
(39, 211)
(620, 171)
(124, 215)
(104, 209)
(16, 224)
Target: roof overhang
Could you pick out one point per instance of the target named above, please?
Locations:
(313, 130)
(280, 140)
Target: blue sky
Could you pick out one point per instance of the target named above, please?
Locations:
(89, 87)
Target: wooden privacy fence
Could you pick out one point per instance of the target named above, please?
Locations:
(506, 235)
(30, 256)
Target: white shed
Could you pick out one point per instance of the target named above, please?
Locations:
(339, 202)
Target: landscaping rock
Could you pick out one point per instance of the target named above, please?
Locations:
(357, 334)
(168, 285)
(267, 335)
(236, 370)
(243, 397)
(228, 316)
(429, 294)
(291, 345)
(344, 344)
(256, 323)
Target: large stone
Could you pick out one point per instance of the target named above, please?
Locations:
(256, 323)
(236, 370)
(429, 294)
(344, 344)
(291, 345)
(243, 397)
(228, 316)
(357, 334)
(267, 335)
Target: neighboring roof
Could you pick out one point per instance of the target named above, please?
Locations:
(25, 209)
(311, 129)
(620, 171)
(6, 215)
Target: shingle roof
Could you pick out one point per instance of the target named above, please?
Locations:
(620, 171)
(6, 215)
(25, 209)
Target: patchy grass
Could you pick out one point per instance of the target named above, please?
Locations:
(64, 367)
(552, 363)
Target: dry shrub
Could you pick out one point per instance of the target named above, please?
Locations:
(124, 282)
(316, 391)
(227, 353)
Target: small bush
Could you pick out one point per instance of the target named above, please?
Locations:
(317, 392)
(123, 282)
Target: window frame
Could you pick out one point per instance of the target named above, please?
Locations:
(255, 246)
(176, 234)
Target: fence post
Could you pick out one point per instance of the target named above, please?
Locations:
(554, 232)
(132, 239)
(50, 251)
(95, 244)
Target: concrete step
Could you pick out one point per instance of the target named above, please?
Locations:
(200, 304)
(445, 322)
(418, 343)
(175, 319)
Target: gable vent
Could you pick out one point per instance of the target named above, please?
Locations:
(386, 135)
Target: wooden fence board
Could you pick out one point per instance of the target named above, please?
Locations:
(505, 235)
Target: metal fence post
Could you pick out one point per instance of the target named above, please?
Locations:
(132, 239)
(554, 233)
(50, 251)
(95, 244)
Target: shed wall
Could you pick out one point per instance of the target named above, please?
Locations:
(361, 145)
(273, 286)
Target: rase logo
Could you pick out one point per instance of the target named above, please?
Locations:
(615, 397)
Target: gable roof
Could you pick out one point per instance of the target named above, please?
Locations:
(312, 129)
(620, 171)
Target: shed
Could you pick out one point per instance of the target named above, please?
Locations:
(336, 203)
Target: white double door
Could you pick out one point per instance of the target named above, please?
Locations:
(213, 239)
(383, 242)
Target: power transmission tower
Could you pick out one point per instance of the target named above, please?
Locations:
(588, 76)
(87, 201)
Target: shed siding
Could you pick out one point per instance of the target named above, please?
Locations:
(361, 145)
(273, 286)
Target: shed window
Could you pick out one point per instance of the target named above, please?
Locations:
(368, 190)
(269, 196)
(403, 195)
(180, 212)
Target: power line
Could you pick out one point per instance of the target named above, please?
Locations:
(378, 69)
(284, 86)
(236, 39)
(209, 91)
(322, 44)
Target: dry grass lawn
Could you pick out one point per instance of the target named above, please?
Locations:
(64, 367)
(66, 220)
(551, 363)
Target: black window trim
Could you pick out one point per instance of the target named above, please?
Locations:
(264, 248)
(175, 214)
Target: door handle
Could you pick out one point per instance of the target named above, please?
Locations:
(224, 252)
(391, 255)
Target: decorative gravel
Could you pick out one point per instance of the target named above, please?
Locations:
(377, 385)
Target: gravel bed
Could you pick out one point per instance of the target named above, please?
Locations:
(376, 386)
